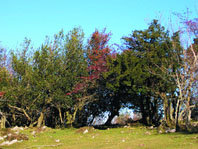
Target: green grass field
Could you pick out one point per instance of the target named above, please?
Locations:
(113, 138)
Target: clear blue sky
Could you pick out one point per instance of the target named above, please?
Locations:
(37, 18)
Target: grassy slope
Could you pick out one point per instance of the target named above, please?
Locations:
(115, 138)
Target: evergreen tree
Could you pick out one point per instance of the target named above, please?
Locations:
(132, 73)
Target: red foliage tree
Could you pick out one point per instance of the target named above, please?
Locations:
(98, 50)
(97, 54)
(1, 94)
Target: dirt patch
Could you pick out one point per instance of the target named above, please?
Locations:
(11, 137)
(85, 130)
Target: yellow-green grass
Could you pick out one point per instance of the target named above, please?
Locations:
(113, 138)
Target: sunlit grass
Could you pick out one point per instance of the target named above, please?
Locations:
(113, 138)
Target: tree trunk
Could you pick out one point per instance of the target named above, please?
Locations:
(177, 116)
(155, 111)
(188, 117)
(40, 120)
(60, 115)
(149, 111)
(21, 110)
(143, 112)
(3, 121)
(167, 111)
(74, 116)
(171, 112)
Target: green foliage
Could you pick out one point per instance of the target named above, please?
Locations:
(65, 81)
(4, 73)
(40, 81)
(136, 71)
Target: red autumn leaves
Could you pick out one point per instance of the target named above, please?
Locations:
(98, 50)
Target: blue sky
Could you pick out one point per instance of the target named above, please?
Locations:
(37, 18)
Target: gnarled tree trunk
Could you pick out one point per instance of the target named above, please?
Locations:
(40, 120)
(60, 115)
(2, 121)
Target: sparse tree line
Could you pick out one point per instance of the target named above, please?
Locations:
(66, 80)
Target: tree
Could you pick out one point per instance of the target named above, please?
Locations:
(182, 70)
(75, 66)
(97, 52)
(59, 68)
(37, 94)
(5, 78)
(130, 76)
(187, 77)
(19, 93)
